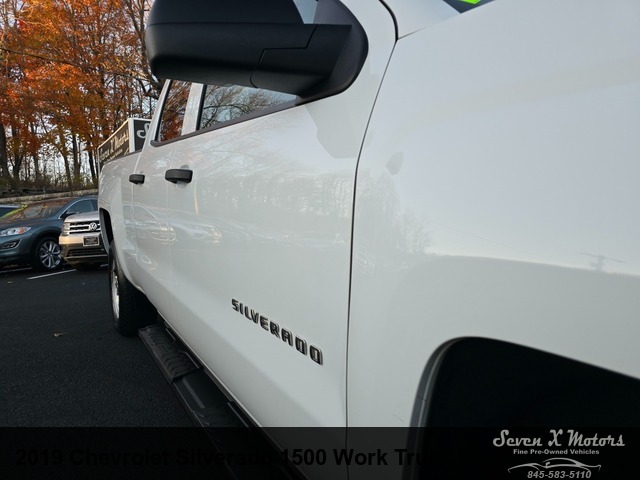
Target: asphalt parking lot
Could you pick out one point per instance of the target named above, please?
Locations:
(64, 365)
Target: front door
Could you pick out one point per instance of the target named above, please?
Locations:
(261, 207)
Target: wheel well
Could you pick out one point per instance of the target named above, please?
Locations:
(479, 382)
(47, 234)
(106, 227)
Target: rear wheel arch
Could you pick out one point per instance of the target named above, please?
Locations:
(482, 382)
(131, 309)
(106, 227)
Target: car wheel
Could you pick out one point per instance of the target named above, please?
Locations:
(46, 255)
(130, 307)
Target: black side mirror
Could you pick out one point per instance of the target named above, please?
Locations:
(255, 43)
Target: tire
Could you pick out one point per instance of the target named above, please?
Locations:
(46, 255)
(131, 309)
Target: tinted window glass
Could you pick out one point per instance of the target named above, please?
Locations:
(81, 207)
(464, 5)
(226, 103)
(173, 111)
(37, 210)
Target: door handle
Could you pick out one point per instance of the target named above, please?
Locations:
(176, 175)
(136, 178)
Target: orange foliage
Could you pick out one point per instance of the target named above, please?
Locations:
(72, 66)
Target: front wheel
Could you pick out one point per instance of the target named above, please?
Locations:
(130, 307)
(46, 255)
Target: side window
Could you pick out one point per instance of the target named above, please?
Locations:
(173, 111)
(230, 102)
(81, 207)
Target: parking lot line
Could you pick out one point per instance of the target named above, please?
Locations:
(50, 274)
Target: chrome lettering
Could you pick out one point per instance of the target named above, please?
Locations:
(253, 316)
(300, 344)
(316, 354)
(287, 336)
(274, 328)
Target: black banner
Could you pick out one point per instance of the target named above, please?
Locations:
(316, 453)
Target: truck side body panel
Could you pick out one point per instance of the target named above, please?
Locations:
(501, 200)
(478, 182)
(249, 263)
(115, 205)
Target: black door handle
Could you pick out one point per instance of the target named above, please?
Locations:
(136, 178)
(176, 175)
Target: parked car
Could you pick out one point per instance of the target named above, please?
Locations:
(80, 241)
(30, 235)
(5, 209)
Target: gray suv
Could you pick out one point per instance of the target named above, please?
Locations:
(30, 235)
(81, 243)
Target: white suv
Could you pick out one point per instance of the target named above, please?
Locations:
(81, 243)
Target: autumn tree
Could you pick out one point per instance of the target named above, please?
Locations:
(12, 105)
(73, 71)
(148, 85)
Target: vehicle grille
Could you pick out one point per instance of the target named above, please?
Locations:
(84, 227)
(86, 252)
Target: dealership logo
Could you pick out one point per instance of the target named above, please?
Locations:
(557, 445)
(558, 464)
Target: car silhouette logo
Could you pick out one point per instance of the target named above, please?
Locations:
(556, 464)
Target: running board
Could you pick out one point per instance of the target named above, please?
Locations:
(205, 402)
(209, 408)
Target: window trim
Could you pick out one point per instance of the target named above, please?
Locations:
(297, 101)
(165, 96)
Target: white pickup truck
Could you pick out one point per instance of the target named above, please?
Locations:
(389, 213)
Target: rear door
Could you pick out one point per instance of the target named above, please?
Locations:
(260, 203)
(154, 234)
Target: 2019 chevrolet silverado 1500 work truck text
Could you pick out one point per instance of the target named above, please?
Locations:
(389, 213)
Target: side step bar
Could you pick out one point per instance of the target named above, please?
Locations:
(210, 408)
(203, 399)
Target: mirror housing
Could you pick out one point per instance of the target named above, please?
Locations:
(254, 43)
